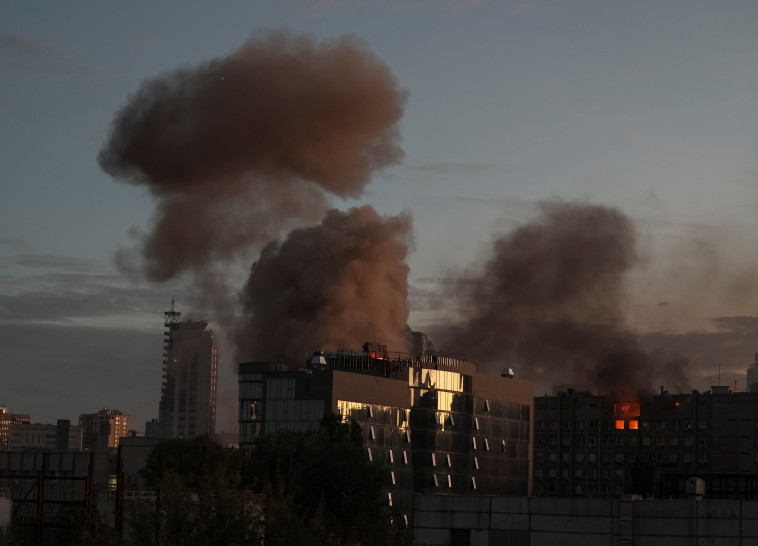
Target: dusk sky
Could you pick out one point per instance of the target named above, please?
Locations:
(650, 107)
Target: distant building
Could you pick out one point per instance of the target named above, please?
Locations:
(34, 436)
(190, 369)
(595, 446)
(436, 422)
(103, 429)
(6, 420)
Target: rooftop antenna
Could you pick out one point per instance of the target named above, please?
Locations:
(172, 317)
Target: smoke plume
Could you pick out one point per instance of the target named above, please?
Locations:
(550, 299)
(333, 285)
(239, 148)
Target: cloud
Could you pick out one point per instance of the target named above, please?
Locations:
(25, 56)
(53, 261)
(14, 244)
(453, 168)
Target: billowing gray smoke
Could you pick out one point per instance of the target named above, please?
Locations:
(241, 147)
(550, 299)
(334, 285)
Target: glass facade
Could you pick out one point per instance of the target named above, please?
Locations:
(434, 432)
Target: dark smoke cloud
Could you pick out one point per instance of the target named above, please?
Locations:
(550, 299)
(239, 148)
(334, 285)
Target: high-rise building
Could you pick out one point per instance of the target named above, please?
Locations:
(103, 429)
(437, 423)
(190, 368)
(6, 420)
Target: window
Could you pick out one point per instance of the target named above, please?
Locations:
(473, 442)
(449, 480)
(502, 446)
(476, 463)
(370, 410)
(486, 444)
(408, 436)
(436, 481)
(486, 405)
(473, 482)
(449, 462)
(405, 457)
(452, 420)
(392, 457)
(372, 433)
(476, 424)
(392, 475)
(434, 459)
(370, 454)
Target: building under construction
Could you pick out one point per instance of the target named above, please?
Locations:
(190, 371)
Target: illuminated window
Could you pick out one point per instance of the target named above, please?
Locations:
(370, 410)
(449, 480)
(486, 405)
(392, 456)
(449, 463)
(473, 482)
(434, 459)
(619, 424)
(476, 424)
(436, 481)
(476, 463)
(473, 442)
(392, 475)
(370, 455)
(405, 457)
(408, 436)
(372, 433)
(389, 498)
(486, 444)
(633, 425)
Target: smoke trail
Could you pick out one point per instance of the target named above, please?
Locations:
(239, 148)
(334, 285)
(550, 298)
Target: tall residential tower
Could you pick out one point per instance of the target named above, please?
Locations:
(190, 367)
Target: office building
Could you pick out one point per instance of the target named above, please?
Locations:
(190, 369)
(103, 429)
(436, 422)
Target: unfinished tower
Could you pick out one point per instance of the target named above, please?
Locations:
(190, 368)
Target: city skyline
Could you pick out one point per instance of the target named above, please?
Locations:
(646, 108)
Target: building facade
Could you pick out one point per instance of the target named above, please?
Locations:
(190, 374)
(438, 424)
(595, 446)
(61, 437)
(6, 420)
(103, 429)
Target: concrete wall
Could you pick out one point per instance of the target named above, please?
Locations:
(532, 521)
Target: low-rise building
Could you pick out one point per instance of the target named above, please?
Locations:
(34, 436)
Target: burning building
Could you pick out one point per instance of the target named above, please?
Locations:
(596, 446)
(439, 424)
